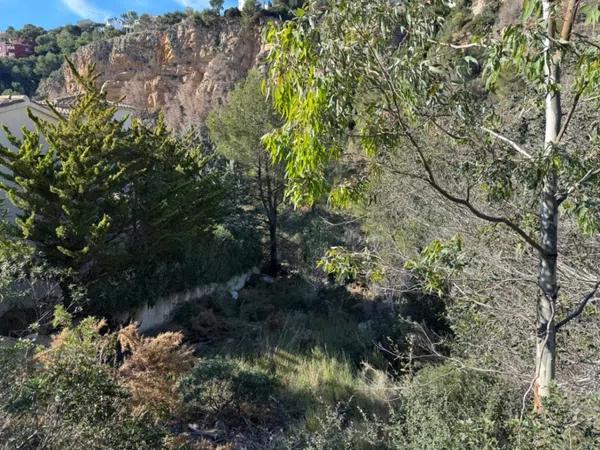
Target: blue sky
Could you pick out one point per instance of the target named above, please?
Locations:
(53, 13)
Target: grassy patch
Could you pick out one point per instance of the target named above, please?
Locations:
(280, 356)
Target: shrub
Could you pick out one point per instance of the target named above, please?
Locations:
(72, 395)
(67, 396)
(257, 302)
(332, 428)
(232, 12)
(232, 250)
(444, 407)
(28, 285)
(565, 423)
(152, 370)
(451, 408)
(206, 319)
(231, 390)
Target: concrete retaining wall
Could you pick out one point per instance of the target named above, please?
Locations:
(155, 316)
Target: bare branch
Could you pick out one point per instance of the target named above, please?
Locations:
(590, 99)
(577, 311)
(467, 204)
(563, 196)
(513, 144)
(452, 135)
(563, 129)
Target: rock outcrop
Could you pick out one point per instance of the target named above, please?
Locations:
(184, 71)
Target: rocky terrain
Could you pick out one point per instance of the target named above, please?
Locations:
(183, 71)
(189, 68)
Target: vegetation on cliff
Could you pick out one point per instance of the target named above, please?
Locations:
(23, 75)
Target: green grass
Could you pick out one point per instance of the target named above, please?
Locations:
(307, 343)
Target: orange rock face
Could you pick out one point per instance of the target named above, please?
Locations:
(184, 71)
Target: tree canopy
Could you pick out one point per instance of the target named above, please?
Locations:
(238, 129)
(23, 75)
(99, 197)
(371, 84)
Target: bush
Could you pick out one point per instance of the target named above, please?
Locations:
(232, 250)
(206, 319)
(72, 395)
(232, 390)
(309, 238)
(444, 407)
(152, 370)
(451, 408)
(232, 13)
(28, 286)
(333, 429)
(565, 423)
(259, 301)
(67, 397)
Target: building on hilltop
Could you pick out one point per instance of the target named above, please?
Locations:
(16, 48)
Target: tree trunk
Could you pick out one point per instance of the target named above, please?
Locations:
(547, 280)
(547, 277)
(273, 258)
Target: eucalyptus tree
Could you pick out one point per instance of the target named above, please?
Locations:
(373, 85)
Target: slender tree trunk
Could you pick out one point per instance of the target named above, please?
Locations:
(274, 259)
(547, 279)
(549, 214)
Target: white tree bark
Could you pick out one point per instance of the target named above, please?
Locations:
(549, 215)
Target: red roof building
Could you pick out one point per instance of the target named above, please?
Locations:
(17, 48)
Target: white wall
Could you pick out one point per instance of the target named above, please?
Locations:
(153, 317)
(15, 117)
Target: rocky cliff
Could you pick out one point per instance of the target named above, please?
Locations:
(189, 68)
(184, 71)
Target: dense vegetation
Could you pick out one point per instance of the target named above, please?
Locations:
(23, 75)
(417, 182)
(422, 112)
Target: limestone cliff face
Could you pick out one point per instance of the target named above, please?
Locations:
(184, 71)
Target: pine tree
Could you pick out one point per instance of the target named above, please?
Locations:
(68, 193)
(237, 129)
(111, 205)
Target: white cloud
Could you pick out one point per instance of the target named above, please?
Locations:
(196, 4)
(85, 10)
